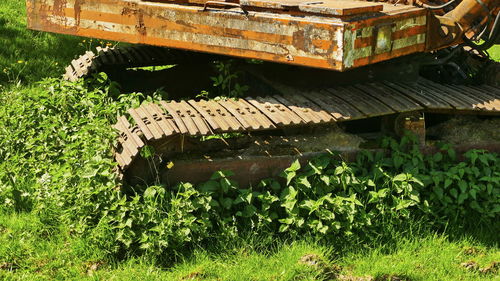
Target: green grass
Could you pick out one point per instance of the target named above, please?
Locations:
(26, 56)
(31, 251)
(34, 247)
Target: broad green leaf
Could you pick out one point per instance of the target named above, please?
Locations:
(447, 182)
(454, 192)
(439, 192)
(463, 186)
(339, 170)
(294, 167)
(462, 197)
(303, 180)
(227, 202)
(472, 193)
(400, 177)
(438, 157)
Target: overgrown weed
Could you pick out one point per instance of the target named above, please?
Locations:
(57, 163)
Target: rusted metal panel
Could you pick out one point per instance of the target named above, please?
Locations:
(329, 7)
(250, 170)
(335, 35)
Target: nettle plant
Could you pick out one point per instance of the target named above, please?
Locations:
(326, 197)
(57, 162)
(471, 186)
(226, 80)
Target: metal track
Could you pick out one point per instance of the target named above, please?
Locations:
(106, 59)
(294, 108)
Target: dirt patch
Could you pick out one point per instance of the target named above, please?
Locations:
(392, 277)
(193, 276)
(492, 268)
(354, 278)
(328, 271)
(470, 265)
(93, 267)
(467, 130)
(472, 251)
(8, 266)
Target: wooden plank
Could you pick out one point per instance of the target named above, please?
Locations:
(179, 122)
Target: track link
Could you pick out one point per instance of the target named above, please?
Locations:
(294, 108)
(106, 59)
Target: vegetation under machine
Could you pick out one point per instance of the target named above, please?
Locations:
(326, 62)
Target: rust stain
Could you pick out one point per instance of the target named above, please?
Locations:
(184, 23)
(78, 10)
(299, 40)
(138, 13)
(141, 27)
(59, 6)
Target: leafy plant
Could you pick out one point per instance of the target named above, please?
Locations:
(57, 163)
(226, 80)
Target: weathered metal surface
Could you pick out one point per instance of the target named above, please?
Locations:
(249, 171)
(294, 108)
(335, 35)
(336, 7)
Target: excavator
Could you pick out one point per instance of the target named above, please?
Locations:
(318, 75)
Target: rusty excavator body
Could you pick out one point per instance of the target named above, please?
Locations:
(312, 65)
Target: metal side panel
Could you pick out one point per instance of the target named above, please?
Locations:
(314, 40)
(374, 40)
